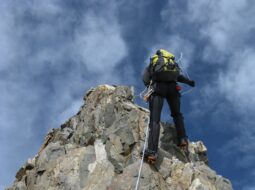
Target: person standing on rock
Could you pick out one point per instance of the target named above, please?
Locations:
(162, 75)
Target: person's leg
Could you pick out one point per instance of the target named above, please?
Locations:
(174, 103)
(155, 106)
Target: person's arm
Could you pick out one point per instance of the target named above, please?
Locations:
(146, 76)
(185, 80)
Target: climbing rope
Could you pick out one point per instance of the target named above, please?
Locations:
(185, 73)
(144, 147)
(187, 91)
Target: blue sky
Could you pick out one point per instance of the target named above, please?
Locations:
(53, 51)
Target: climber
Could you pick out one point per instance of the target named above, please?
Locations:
(162, 75)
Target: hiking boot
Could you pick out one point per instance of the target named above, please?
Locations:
(152, 158)
(184, 143)
(149, 155)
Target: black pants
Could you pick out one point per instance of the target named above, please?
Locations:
(169, 92)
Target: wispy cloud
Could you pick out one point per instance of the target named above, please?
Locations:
(52, 51)
(177, 45)
(169, 36)
(237, 82)
(224, 29)
(227, 26)
(223, 35)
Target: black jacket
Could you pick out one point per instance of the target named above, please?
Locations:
(148, 76)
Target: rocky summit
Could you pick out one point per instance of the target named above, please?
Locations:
(99, 149)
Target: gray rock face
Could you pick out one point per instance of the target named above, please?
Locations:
(99, 148)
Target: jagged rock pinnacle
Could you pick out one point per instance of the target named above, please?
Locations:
(99, 148)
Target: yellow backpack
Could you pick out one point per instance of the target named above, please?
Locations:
(163, 66)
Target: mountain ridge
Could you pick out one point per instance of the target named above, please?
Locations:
(99, 148)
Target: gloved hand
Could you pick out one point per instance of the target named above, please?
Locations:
(192, 83)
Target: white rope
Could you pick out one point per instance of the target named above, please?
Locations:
(180, 58)
(187, 91)
(146, 92)
(185, 72)
(142, 93)
(144, 146)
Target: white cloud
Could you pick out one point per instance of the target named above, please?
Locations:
(226, 24)
(176, 45)
(101, 47)
(228, 27)
(234, 84)
(172, 18)
(6, 39)
(237, 83)
(50, 53)
(225, 30)
(46, 7)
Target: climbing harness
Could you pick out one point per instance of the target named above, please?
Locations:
(146, 93)
(144, 147)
